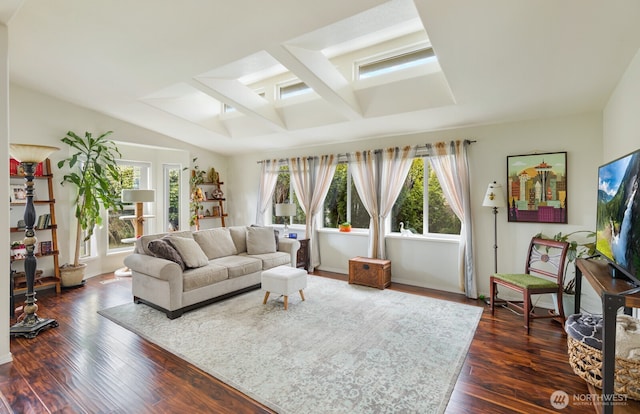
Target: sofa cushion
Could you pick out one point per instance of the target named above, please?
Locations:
(239, 265)
(260, 240)
(270, 260)
(239, 236)
(215, 242)
(203, 276)
(162, 249)
(191, 253)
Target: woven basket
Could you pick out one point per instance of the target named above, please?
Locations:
(586, 362)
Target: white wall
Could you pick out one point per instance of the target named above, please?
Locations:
(431, 263)
(621, 132)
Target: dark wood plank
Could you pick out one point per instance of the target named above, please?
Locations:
(89, 364)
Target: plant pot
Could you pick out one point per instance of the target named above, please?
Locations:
(72, 276)
(344, 229)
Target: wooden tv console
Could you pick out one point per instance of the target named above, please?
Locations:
(615, 293)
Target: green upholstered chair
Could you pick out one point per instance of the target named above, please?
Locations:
(543, 273)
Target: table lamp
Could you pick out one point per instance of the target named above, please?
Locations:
(285, 210)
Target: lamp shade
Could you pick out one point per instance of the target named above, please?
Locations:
(494, 196)
(31, 153)
(285, 210)
(138, 196)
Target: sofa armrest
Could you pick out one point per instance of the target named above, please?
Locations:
(290, 246)
(154, 267)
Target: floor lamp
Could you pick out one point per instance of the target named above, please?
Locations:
(494, 198)
(29, 156)
(138, 197)
(285, 210)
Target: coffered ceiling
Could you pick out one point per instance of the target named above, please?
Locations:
(171, 66)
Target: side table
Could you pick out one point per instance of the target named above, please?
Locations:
(304, 255)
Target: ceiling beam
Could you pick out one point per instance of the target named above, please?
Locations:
(241, 97)
(314, 69)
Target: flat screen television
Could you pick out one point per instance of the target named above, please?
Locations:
(618, 215)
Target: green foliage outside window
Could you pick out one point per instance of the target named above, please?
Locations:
(174, 199)
(122, 229)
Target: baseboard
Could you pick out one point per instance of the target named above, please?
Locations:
(6, 358)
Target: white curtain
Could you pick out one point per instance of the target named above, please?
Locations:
(379, 177)
(311, 178)
(450, 163)
(268, 178)
(396, 163)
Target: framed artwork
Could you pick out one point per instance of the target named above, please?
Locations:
(17, 193)
(537, 187)
(215, 211)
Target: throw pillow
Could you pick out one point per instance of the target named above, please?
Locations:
(191, 253)
(215, 242)
(276, 235)
(239, 237)
(260, 240)
(160, 248)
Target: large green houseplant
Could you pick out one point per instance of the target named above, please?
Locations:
(93, 173)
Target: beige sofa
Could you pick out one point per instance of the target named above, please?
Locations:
(181, 271)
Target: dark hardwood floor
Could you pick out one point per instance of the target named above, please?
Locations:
(91, 365)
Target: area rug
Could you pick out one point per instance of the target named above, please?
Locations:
(345, 349)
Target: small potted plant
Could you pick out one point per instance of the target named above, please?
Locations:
(345, 227)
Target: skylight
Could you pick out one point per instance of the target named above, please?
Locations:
(293, 89)
(369, 69)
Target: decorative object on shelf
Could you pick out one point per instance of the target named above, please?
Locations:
(29, 156)
(196, 195)
(285, 210)
(537, 190)
(217, 194)
(17, 194)
(494, 198)
(93, 170)
(46, 247)
(344, 227)
(18, 250)
(213, 176)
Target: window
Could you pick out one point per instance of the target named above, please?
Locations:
(343, 202)
(135, 175)
(172, 196)
(288, 90)
(284, 194)
(417, 193)
(393, 63)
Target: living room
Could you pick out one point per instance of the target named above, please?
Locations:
(600, 128)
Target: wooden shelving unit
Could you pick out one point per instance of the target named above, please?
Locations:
(45, 204)
(215, 205)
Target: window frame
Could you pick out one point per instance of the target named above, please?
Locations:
(166, 202)
(425, 208)
(144, 182)
(390, 57)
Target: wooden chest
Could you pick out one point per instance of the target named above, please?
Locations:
(370, 272)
